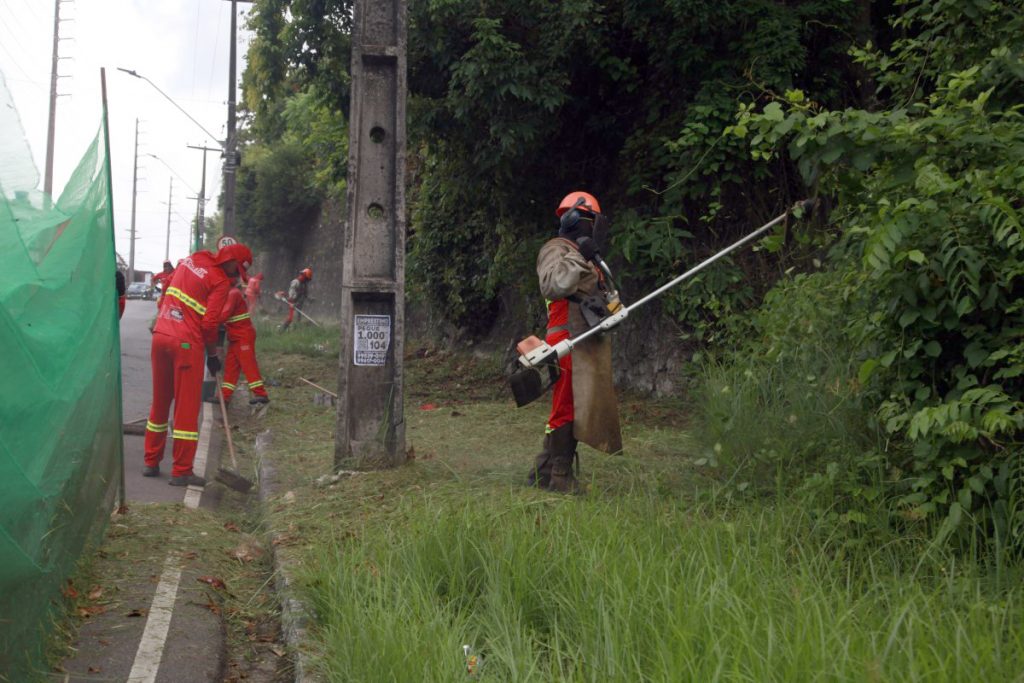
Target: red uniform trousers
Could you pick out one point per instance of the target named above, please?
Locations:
(562, 410)
(178, 376)
(242, 356)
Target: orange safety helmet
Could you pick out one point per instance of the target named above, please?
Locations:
(572, 200)
(307, 273)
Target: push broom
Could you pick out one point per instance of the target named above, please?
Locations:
(230, 478)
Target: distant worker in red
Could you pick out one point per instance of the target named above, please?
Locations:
(252, 292)
(162, 279)
(298, 291)
(186, 325)
(241, 350)
(121, 292)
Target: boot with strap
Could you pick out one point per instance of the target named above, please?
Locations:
(563, 456)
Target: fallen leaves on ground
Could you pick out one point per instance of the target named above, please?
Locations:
(213, 581)
(137, 613)
(231, 526)
(96, 593)
(91, 611)
(246, 552)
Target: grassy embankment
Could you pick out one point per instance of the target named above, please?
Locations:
(658, 573)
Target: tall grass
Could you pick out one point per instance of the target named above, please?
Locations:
(786, 402)
(303, 338)
(644, 589)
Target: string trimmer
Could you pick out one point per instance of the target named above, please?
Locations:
(280, 297)
(534, 353)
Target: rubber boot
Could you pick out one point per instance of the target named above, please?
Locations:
(540, 473)
(563, 455)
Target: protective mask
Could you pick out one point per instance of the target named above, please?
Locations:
(601, 227)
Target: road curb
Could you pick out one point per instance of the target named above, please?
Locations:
(295, 614)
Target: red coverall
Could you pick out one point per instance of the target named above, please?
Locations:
(162, 279)
(190, 312)
(561, 396)
(242, 348)
(252, 292)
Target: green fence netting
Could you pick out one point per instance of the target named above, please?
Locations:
(60, 366)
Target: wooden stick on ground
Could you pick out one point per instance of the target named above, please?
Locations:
(329, 393)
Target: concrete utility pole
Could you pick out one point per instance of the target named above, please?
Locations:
(170, 204)
(201, 209)
(52, 127)
(371, 423)
(135, 186)
(231, 155)
(195, 235)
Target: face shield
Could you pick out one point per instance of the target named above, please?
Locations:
(576, 224)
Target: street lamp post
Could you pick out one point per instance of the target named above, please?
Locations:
(170, 204)
(226, 148)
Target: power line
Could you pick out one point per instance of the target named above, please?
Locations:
(21, 27)
(14, 61)
(216, 44)
(32, 10)
(195, 46)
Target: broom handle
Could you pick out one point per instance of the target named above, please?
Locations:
(227, 425)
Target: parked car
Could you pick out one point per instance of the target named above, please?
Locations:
(139, 290)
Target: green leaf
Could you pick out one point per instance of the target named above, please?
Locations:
(866, 368)
(909, 317)
(773, 112)
(933, 348)
(916, 256)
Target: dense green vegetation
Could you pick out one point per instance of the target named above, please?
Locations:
(869, 357)
(663, 571)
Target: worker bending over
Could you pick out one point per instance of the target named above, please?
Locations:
(190, 313)
(241, 355)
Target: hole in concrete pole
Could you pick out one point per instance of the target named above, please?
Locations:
(375, 211)
(377, 134)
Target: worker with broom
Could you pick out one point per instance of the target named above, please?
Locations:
(584, 407)
(241, 355)
(190, 314)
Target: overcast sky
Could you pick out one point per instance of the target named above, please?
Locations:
(180, 45)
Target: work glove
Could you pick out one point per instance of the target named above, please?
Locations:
(587, 247)
(213, 364)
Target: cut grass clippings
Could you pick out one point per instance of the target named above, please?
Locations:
(650, 576)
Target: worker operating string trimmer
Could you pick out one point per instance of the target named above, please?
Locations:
(583, 304)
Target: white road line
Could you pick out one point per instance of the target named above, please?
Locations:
(194, 493)
(151, 647)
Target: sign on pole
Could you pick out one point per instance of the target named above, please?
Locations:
(371, 427)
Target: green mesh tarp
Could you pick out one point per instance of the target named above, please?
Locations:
(60, 403)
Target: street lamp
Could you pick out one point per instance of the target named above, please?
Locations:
(227, 147)
(171, 169)
(132, 72)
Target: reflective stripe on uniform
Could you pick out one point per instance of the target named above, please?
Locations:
(256, 385)
(228, 385)
(237, 318)
(185, 436)
(152, 427)
(187, 300)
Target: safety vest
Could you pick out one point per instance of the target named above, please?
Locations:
(237, 321)
(192, 306)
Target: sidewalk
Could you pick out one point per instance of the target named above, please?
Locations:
(177, 593)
